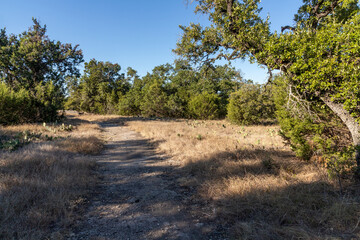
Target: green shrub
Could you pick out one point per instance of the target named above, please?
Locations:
(154, 101)
(313, 131)
(128, 104)
(48, 100)
(21, 106)
(15, 107)
(205, 106)
(176, 106)
(251, 104)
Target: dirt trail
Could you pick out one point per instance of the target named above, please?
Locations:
(138, 197)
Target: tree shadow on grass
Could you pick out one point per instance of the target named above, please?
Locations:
(149, 200)
(141, 198)
(263, 194)
(138, 197)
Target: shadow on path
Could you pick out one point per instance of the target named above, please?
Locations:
(137, 197)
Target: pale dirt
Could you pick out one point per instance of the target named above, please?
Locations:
(139, 196)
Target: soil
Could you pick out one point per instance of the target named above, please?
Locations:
(139, 196)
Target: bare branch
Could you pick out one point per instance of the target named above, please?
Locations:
(318, 14)
(298, 106)
(230, 57)
(315, 9)
(270, 77)
(229, 5)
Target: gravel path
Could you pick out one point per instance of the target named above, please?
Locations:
(138, 197)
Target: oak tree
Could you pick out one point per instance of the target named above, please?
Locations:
(32, 58)
(319, 54)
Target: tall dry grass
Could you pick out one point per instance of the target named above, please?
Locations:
(45, 183)
(252, 184)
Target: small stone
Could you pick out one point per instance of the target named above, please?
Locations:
(133, 200)
(199, 225)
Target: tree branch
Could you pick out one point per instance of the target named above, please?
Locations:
(287, 28)
(318, 14)
(229, 5)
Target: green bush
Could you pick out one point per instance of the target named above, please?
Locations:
(176, 106)
(251, 104)
(21, 106)
(205, 106)
(15, 107)
(128, 104)
(154, 101)
(48, 100)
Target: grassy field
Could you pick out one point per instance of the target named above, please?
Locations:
(245, 177)
(45, 174)
(253, 184)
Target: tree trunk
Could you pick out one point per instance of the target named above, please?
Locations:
(351, 124)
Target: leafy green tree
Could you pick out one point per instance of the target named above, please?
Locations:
(221, 80)
(187, 82)
(100, 87)
(34, 68)
(73, 98)
(129, 103)
(319, 54)
(32, 58)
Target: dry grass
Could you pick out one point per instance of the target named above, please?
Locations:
(43, 184)
(253, 184)
(93, 118)
(203, 138)
(87, 145)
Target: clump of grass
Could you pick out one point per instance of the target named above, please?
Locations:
(20, 139)
(273, 193)
(85, 145)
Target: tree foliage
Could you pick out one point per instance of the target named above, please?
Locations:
(319, 54)
(32, 58)
(33, 70)
(251, 104)
(182, 91)
(205, 106)
(99, 88)
(154, 102)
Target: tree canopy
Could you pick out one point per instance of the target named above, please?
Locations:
(32, 58)
(33, 72)
(319, 54)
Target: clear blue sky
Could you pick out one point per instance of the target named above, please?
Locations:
(139, 34)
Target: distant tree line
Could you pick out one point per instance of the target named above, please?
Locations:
(40, 76)
(174, 91)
